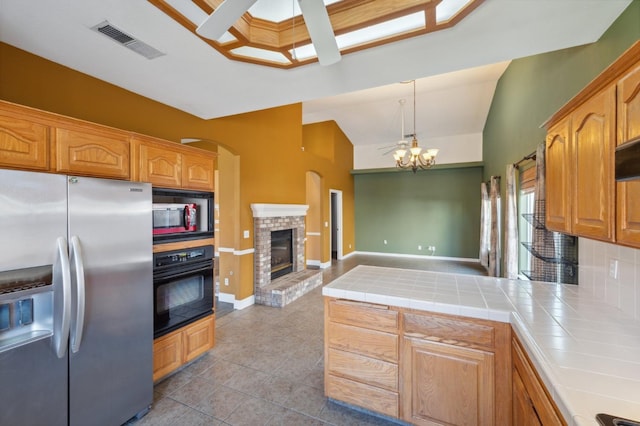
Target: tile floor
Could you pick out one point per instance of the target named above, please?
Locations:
(267, 365)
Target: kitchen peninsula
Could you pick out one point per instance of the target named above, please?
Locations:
(402, 342)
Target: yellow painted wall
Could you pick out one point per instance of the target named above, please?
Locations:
(313, 220)
(268, 143)
(334, 152)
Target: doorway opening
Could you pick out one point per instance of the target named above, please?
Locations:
(335, 201)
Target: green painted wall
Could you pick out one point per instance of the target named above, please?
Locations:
(533, 88)
(438, 208)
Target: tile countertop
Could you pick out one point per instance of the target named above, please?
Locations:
(587, 352)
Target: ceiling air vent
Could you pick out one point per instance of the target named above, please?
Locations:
(127, 41)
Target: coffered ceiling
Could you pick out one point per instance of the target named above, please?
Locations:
(453, 67)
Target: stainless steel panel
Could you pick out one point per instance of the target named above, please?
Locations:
(33, 213)
(33, 386)
(33, 380)
(110, 377)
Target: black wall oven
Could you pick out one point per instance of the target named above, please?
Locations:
(183, 287)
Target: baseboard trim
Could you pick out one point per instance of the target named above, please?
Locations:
(418, 256)
(237, 304)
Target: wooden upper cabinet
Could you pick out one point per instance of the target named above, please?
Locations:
(157, 163)
(198, 171)
(169, 165)
(593, 136)
(558, 166)
(24, 144)
(91, 152)
(628, 193)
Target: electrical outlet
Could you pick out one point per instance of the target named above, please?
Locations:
(613, 269)
(419, 247)
(245, 234)
(385, 242)
(226, 281)
(349, 245)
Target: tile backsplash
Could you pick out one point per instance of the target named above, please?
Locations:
(612, 272)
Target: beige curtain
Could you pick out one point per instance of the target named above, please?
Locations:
(511, 226)
(485, 225)
(494, 233)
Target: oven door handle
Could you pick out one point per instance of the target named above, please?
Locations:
(171, 272)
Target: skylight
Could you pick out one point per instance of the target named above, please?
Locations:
(383, 30)
(265, 55)
(267, 33)
(448, 9)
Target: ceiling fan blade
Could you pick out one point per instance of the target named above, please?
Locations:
(223, 17)
(320, 30)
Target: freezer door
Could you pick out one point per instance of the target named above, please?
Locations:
(33, 214)
(33, 380)
(34, 386)
(110, 375)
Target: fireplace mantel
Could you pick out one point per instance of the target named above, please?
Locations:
(278, 210)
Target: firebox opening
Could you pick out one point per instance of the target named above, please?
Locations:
(281, 253)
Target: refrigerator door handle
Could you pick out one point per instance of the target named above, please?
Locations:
(62, 298)
(78, 266)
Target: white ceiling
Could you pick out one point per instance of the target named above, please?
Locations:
(457, 69)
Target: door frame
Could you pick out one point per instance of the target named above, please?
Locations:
(335, 207)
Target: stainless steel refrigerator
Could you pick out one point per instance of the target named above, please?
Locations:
(76, 300)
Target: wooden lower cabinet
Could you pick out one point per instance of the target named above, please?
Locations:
(167, 354)
(447, 384)
(416, 366)
(532, 404)
(454, 370)
(179, 347)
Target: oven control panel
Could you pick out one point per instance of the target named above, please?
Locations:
(174, 257)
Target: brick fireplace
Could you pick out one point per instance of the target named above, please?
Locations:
(268, 218)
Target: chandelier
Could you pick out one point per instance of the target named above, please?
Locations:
(413, 158)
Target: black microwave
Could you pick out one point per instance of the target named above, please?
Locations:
(192, 220)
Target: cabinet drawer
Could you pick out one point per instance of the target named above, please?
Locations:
(367, 342)
(367, 315)
(363, 369)
(451, 330)
(369, 397)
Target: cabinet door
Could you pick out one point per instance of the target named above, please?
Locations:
(628, 193)
(444, 384)
(198, 338)
(593, 136)
(198, 171)
(93, 153)
(524, 414)
(541, 403)
(159, 165)
(23, 144)
(167, 354)
(558, 161)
